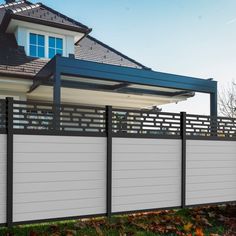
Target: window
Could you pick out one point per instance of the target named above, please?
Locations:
(55, 46)
(45, 45)
(37, 45)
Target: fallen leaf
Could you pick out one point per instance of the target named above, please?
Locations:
(80, 225)
(188, 227)
(199, 232)
(141, 226)
(32, 233)
(56, 234)
(98, 230)
(206, 222)
(70, 232)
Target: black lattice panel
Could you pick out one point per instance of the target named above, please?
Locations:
(31, 116)
(41, 116)
(78, 118)
(145, 122)
(205, 126)
(2, 115)
(226, 127)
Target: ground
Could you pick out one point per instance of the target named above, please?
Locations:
(202, 221)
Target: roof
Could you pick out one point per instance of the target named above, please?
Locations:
(91, 49)
(14, 61)
(38, 13)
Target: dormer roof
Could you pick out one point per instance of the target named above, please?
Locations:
(40, 14)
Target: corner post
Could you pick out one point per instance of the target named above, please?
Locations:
(183, 177)
(9, 128)
(57, 98)
(109, 159)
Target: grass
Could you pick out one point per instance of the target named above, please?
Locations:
(218, 220)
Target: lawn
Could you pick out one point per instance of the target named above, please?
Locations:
(212, 221)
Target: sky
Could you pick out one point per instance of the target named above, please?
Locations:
(186, 37)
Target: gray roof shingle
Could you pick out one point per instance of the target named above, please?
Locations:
(41, 13)
(91, 49)
(13, 60)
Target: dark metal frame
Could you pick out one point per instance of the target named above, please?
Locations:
(124, 75)
(9, 128)
(109, 159)
(183, 176)
(109, 134)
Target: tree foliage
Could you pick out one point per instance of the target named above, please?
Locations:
(227, 100)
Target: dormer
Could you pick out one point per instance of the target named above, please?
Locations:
(42, 31)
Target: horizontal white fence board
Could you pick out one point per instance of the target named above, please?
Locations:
(211, 168)
(3, 180)
(146, 174)
(58, 176)
(37, 177)
(60, 212)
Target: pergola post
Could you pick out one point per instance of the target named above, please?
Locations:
(213, 104)
(213, 113)
(56, 98)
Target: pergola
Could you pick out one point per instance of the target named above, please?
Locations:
(92, 79)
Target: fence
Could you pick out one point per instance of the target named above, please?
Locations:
(77, 161)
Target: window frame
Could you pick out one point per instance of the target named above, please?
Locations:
(36, 45)
(46, 37)
(55, 48)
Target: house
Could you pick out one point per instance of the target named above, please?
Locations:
(81, 137)
(33, 35)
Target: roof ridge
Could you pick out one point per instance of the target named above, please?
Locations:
(11, 4)
(25, 8)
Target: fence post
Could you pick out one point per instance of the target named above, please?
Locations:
(9, 129)
(183, 167)
(109, 159)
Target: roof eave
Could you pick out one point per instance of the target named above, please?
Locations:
(19, 75)
(9, 16)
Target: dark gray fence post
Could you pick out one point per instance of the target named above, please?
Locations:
(109, 159)
(9, 129)
(183, 178)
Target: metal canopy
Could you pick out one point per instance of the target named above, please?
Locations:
(78, 74)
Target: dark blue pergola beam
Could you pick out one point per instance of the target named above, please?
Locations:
(93, 70)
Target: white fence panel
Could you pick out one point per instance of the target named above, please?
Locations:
(146, 174)
(211, 168)
(3, 178)
(58, 176)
